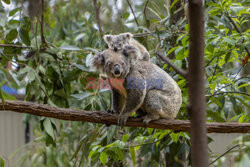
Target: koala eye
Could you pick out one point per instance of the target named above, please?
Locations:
(112, 45)
(109, 64)
(120, 45)
(123, 63)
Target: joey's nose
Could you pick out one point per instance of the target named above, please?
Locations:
(117, 69)
(115, 49)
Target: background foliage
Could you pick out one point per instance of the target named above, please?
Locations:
(54, 72)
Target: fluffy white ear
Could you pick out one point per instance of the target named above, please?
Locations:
(107, 38)
(98, 62)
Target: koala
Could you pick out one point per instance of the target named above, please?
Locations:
(147, 86)
(117, 43)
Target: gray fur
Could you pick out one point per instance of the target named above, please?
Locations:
(121, 40)
(163, 102)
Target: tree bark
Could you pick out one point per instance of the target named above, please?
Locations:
(196, 85)
(111, 119)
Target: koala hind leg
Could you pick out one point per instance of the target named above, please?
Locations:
(153, 106)
(158, 105)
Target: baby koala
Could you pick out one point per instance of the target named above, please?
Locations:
(118, 42)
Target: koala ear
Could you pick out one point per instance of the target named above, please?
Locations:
(128, 35)
(98, 61)
(107, 38)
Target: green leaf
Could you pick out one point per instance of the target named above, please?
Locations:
(14, 11)
(11, 35)
(125, 15)
(82, 96)
(125, 137)
(171, 50)
(132, 154)
(215, 115)
(68, 47)
(48, 128)
(103, 158)
(6, 1)
(1, 162)
(24, 35)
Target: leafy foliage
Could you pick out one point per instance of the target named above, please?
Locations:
(55, 73)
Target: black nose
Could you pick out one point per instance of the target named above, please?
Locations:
(115, 49)
(117, 69)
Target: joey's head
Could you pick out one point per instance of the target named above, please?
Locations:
(117, 42)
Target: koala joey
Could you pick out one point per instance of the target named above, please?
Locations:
(118, 42)
(148, 87)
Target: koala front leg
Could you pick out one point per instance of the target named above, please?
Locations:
(134, 100)
(117, 101)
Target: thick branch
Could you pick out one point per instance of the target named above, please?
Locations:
(41, 24)
(171, 64)
(110, 119)
(97, 16)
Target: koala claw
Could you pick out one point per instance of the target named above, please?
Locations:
(122, 120)
(146, 121)
(110, 111)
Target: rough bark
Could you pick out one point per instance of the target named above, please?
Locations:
(196, 85)
(111, 119)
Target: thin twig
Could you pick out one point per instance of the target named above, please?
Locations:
(144, 11)
(136, 21)
(97, 16)
(238, 30)
(41, 24)
(142, 34)
(230, 84)
(171, 64)
(210, 61)
(215, 94)
(164, 138)
(215, 69)
(15, 46)
(224, 154)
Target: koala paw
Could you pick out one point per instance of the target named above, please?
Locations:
(110, 111)
(129, 49)
(146, 120)
(122, 120)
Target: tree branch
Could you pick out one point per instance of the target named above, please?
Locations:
(136, 21)
(238, 30)
(144, 11)
(111, 119)
(171, 64)
(97, 16)
(243, 93)
(224, 154)
(15, 46)
(41, 24)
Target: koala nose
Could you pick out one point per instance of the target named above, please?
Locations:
(115, 48)
(117, 69)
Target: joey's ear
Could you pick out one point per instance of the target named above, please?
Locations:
(127, 36)
(98, 61)
(107, 38)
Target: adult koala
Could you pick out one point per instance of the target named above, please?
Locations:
(147, 87)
